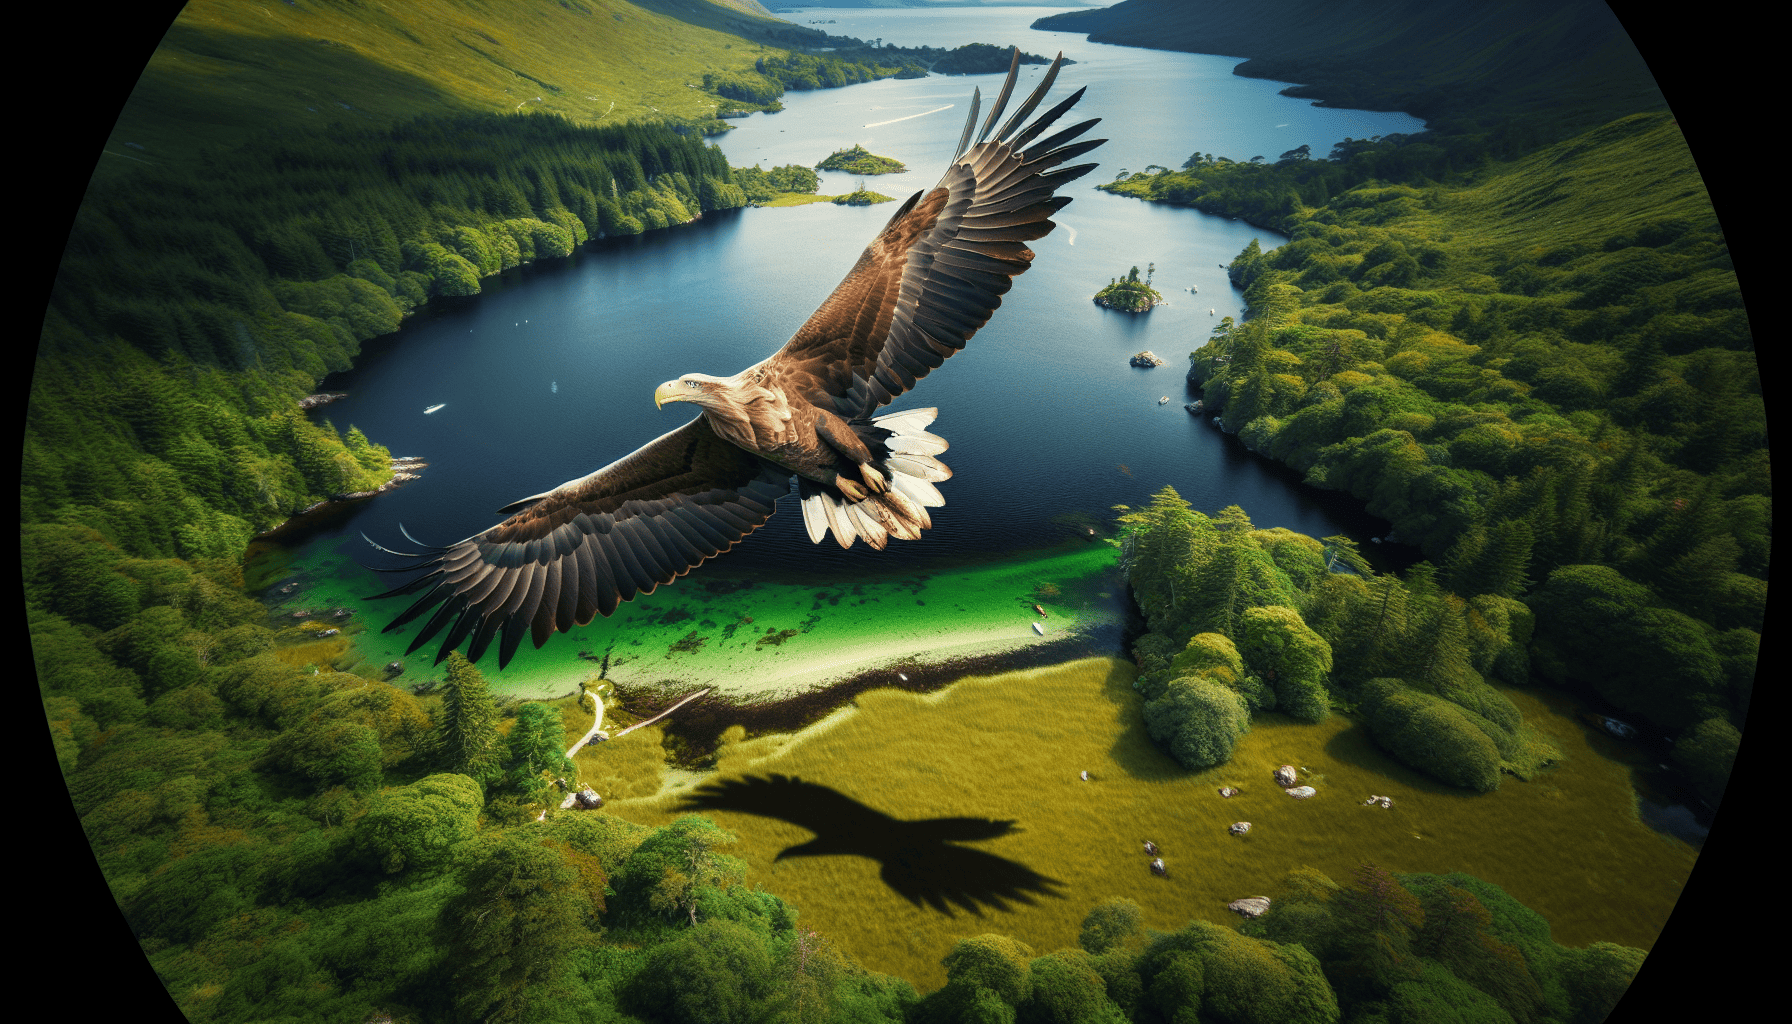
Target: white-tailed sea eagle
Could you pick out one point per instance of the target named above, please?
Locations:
(926, 283)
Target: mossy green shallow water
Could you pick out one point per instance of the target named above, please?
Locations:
(1568, 844)
(750, 637)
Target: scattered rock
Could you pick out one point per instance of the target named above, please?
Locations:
(1157, 867)
(300, 614)
(600, 736)
(1195, 407)
(1250, 906)
(1300, 792)
(1385, 801)
(1228, 792)
(1239, 828)
(1150, 848)
(1084, 776)
(395, 668)
(328, 632)
(342, 613)
(1286, 776)
(1147, 359)
(1622, 730)
(585, 799)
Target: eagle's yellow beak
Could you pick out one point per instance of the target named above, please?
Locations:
(667, 392)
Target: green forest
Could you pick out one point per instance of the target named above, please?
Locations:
(1541, 372)
(1573, 432)
(190, 312)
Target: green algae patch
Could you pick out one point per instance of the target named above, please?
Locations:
(751, 636)
(1011, 746)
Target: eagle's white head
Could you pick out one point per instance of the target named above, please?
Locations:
(700, 388)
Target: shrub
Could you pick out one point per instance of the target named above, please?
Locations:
(994, 962)
(1277, 643)
(1109, 925)
(1430, 734)
(1213, 971)
(716, 973)
(417, 826)
(1708, 751)
(1068, 990)
(1197, 721)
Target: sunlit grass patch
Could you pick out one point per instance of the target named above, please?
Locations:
(315, 652)
(797, 199)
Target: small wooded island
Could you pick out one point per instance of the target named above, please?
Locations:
(858, 160)
(983, 59)
(862, 197)
(1129, 294)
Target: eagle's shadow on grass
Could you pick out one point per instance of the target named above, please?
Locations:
(919, 859)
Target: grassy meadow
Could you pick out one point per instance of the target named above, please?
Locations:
(1568, 844)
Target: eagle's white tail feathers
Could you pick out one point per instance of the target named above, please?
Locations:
(815, 517)
(907, 421)
(900, 512)
(870, 530)
(835, 519)
(924, 466)
(918, 443)
(919, 491)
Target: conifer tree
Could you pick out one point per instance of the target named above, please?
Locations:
(1382, 916)
(1507, 556)
(537, 743)
(511, 931)
(470, 744)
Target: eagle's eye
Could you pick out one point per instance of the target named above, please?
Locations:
(692, 384)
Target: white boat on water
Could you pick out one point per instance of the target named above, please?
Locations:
(1164, 400)
(433, 408)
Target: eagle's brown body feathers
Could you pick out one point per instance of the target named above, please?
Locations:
(929, 280)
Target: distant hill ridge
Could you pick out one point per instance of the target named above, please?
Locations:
(1458, 61)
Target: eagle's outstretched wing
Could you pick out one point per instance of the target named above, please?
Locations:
(939, 268)
(576, 551)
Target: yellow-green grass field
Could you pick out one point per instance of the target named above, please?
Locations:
(1010, 746)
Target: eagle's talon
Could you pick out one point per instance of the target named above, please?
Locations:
(873, 479)
(853, 491)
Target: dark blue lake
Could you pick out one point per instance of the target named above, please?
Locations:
(550, 372)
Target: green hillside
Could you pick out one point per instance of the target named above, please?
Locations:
(1542, 372)
(227, 71)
